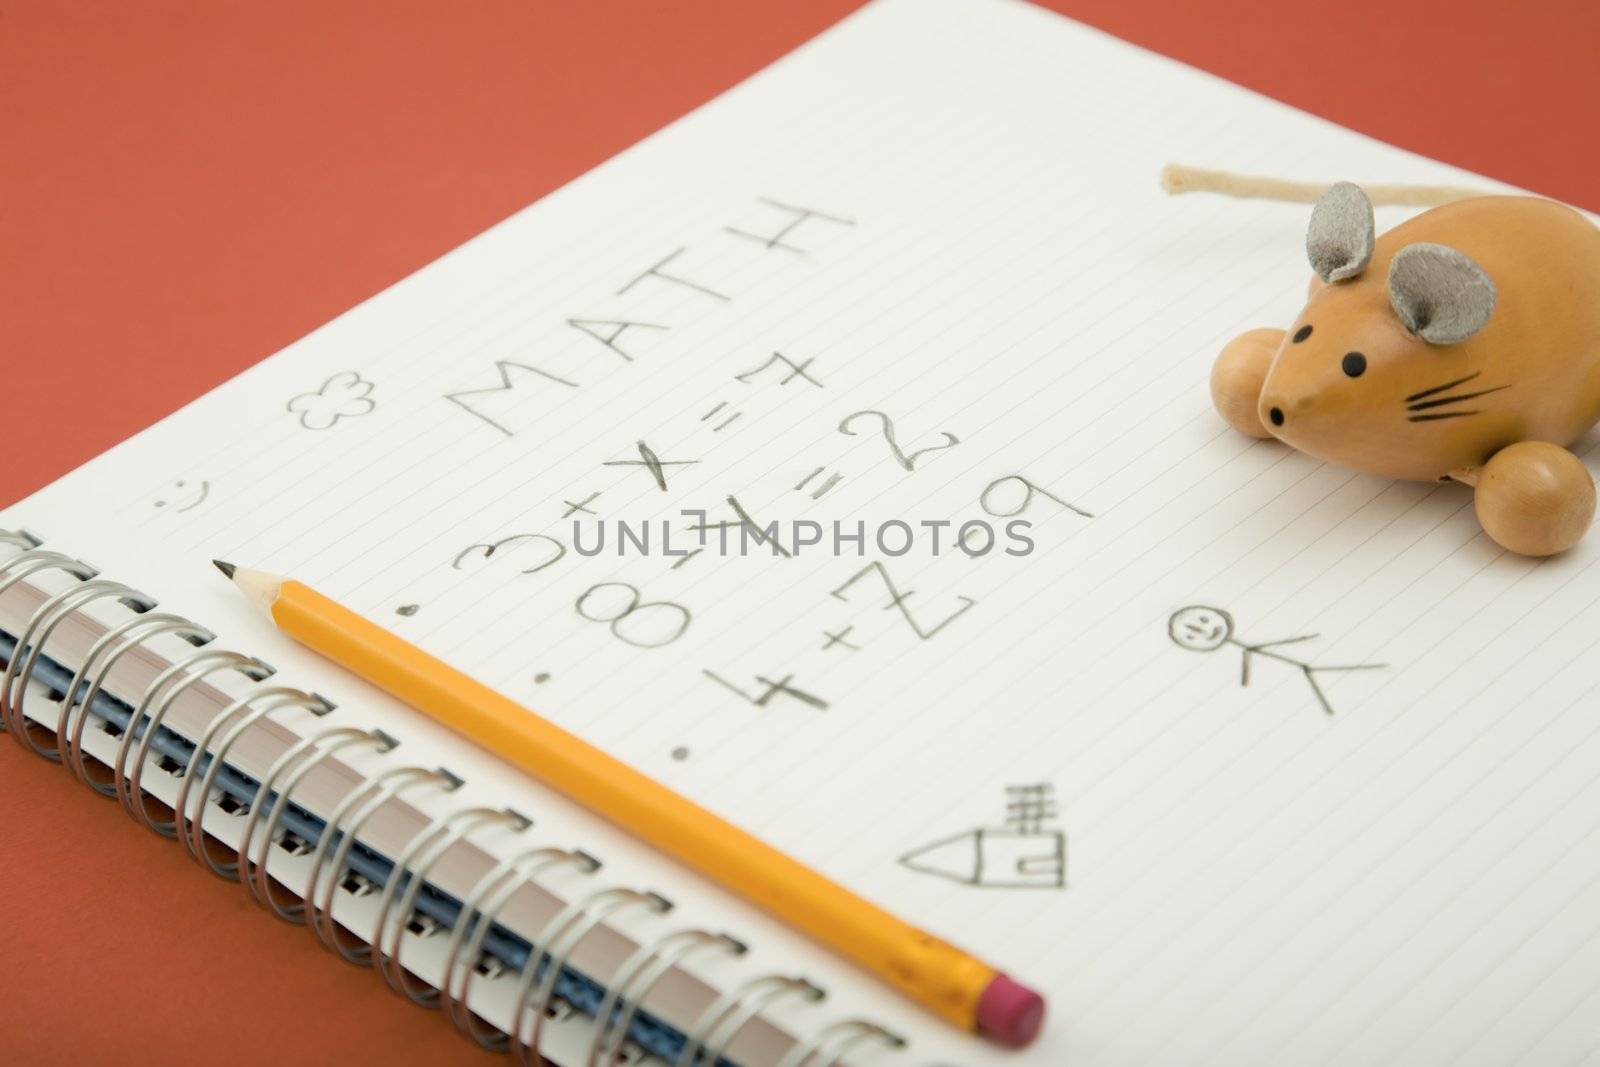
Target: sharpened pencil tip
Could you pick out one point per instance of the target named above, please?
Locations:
(226, 568)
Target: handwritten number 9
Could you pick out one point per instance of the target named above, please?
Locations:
(905, 461)
(640, 623)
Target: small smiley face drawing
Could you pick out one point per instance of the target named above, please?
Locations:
(182, 495)
(1200, 628)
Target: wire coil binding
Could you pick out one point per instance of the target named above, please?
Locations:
(364, 801)
(24, 565)
(638, 975)
(827, 1046)
(720, 1023)
(150, 712)
(479, 911)
(423, 852)
(553, 945)
(325, 744)
(113, 645)
(621, 997)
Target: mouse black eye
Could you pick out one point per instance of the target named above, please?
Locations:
(1354, 364)
(1301, 334)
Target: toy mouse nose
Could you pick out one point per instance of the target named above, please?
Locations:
(1278, 409)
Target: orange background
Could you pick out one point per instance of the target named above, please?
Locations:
(185, 187)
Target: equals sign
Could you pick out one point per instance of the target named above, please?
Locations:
(828, 483)
(725, 423)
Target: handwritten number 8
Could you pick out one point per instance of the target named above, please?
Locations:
(640, 623)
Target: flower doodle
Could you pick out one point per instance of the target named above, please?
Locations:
(342, 396)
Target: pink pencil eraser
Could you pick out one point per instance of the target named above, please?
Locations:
(1009, 1013)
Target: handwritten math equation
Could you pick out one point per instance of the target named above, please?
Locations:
(512, 395)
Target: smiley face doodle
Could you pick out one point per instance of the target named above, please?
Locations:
(1203, 628)
(1199, 628)
(182, 495)
(343, 396)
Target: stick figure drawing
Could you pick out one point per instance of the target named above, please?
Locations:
(1201, 628)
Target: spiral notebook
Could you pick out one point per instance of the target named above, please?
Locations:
(841, 455)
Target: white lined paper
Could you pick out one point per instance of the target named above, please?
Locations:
(1249, 880)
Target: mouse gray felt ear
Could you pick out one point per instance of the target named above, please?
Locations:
(1441, 295)
(1339, 240)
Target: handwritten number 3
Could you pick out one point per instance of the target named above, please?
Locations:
(908, 462)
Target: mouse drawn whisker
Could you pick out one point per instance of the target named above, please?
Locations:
(1443, 415)
(1442, 388)
(1423, 405)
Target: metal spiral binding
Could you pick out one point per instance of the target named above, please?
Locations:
(29, 645)
(721, 1022)
(634, 980)
(552, 946)
(21, 538)
(363, 801)
(828, 1045)
(253, 874)
(423, 852)
(624, 993)
(74, 714)
(480, 910)
(23, 565)
(237, 717)
(152, 709)
(36, 633)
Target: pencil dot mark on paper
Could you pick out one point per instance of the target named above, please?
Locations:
(407, 610)
(541, 678)
(680, 753)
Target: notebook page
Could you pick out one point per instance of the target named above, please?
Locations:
(920, 272)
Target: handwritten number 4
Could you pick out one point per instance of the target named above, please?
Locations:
(905, 461)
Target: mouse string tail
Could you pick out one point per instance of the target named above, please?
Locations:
(1178, 178)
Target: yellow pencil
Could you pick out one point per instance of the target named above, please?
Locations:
(953, 984)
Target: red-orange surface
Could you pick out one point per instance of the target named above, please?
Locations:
(185, 187)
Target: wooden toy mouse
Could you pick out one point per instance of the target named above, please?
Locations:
(1461, 345)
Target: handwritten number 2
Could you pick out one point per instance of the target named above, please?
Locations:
(905, 461)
